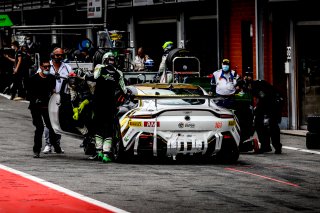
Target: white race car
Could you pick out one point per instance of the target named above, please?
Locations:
(169, 120)
(164, 120)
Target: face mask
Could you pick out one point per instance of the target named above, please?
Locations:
(45, 72)
(12, 47)
(57, 60)
(225, 68)
(28, 41)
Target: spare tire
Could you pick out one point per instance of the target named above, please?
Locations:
(97, 57)
(177, 52)
(313, 123)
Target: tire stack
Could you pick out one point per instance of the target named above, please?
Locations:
(313, 134)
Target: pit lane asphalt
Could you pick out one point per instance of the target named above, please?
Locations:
(259, 183)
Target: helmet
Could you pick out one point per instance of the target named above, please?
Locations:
(107, 56)
(167, 45)
(149, 63)
(72, 79)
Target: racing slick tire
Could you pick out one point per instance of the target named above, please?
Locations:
(177, 52)
(313, 123)
(312, 140)
(229, 152)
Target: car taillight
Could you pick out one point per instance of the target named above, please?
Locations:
(225, 116)
(227, 136)
(141, 116)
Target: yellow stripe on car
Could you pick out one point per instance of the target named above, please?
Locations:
(232, 123)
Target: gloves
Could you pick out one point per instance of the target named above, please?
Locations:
(75, 114)
(82, 105)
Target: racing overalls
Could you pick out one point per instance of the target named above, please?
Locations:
(108, 80)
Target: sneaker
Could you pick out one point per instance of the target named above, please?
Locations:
(47, 149)
(18, 99)
(36, 155)
(278, 151)
(94, 157)
(58, 150)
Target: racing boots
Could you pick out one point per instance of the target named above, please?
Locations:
(106, 158)
(106, 150)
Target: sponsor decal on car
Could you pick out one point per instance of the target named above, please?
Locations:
(151, 124)
(129, 135)
(186, 125)
(135, 123)
(218, 125)
(232, 123)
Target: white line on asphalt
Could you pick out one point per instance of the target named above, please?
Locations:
(63, 190)
(301, 150)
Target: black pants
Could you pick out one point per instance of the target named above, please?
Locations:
(267, 132)
(40, 115)
(17, 86)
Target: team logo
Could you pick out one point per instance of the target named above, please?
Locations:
(135, 123)
(186, 125)
(151, 124)
(218, 125)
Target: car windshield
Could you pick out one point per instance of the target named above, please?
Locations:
(176, 91)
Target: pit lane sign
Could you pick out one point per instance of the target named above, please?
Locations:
(5, 21)
(94, 9)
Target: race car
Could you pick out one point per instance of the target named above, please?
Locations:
(172, 120)
(163, 121)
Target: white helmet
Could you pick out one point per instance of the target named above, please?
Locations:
(107, 56)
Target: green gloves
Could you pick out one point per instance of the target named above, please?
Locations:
(75, 114)
(82, 105)
(78, 110)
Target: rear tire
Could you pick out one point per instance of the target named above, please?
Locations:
(229, 152)
(118, 152)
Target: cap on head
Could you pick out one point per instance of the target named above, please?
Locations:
(72, 74)
(226, 61)
(167, 45)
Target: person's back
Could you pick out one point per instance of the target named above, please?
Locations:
(164, 77)
(269, 99)
(267, 115)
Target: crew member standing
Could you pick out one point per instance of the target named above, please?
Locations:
(40, 89)
(223, 84)
(108, 81)
(59, 69)
(164, 76)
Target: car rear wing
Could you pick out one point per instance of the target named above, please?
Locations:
(157, 97)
